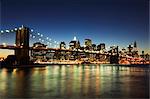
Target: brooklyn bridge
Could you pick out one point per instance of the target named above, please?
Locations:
(50, 50)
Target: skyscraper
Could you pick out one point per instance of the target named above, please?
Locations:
(88, 44)
(74, 44)
(101, 46)
(62, 45)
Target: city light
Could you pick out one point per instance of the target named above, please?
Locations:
(74, 49)
(14, 44)
(38, 33)
(7, 31)
(2, 31)
(33, 36)
(4, 44)
(15, 29)
(88, 47)
(20, 28)
(31, 30)
(12, 30)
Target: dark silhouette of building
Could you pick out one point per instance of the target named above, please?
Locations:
(74, 45)
(101, 46)
(130, 48)
(114, 58)
(88, 44)
(62, 45)
(9, 61)
(135, 45)
(94, 47)
(22, 41)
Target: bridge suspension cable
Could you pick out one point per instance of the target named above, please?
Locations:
(43, 39)
(35, 36)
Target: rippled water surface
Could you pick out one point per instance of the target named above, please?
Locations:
(75, 81)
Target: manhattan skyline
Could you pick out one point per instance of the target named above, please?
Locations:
(112, 22)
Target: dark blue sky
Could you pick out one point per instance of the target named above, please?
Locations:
(118, 22)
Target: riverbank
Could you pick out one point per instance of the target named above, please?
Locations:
(90, 64)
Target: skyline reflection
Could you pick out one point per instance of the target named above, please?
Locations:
(75, 81)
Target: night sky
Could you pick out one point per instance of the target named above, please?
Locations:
(113, 22)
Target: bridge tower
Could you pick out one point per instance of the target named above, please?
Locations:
(22, 41)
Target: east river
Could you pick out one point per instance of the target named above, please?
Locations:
(75, 82)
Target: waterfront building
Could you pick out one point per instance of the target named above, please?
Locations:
(38, 54)
(74, 44)
(102, 46)
(123, 52)
(135, 50)
(88, 44)
(94, 47)
(113, 50)
(62, 53)
(130, 48)
(39, 45)
(147, 57)
(62, 45)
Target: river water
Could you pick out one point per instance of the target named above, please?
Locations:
(75, 82)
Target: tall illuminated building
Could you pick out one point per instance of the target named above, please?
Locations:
(74, 44)
(102, 46)
(88, 44)
(94, 47)
(62, 45)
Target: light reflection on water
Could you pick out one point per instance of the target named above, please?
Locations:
(75, 81)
